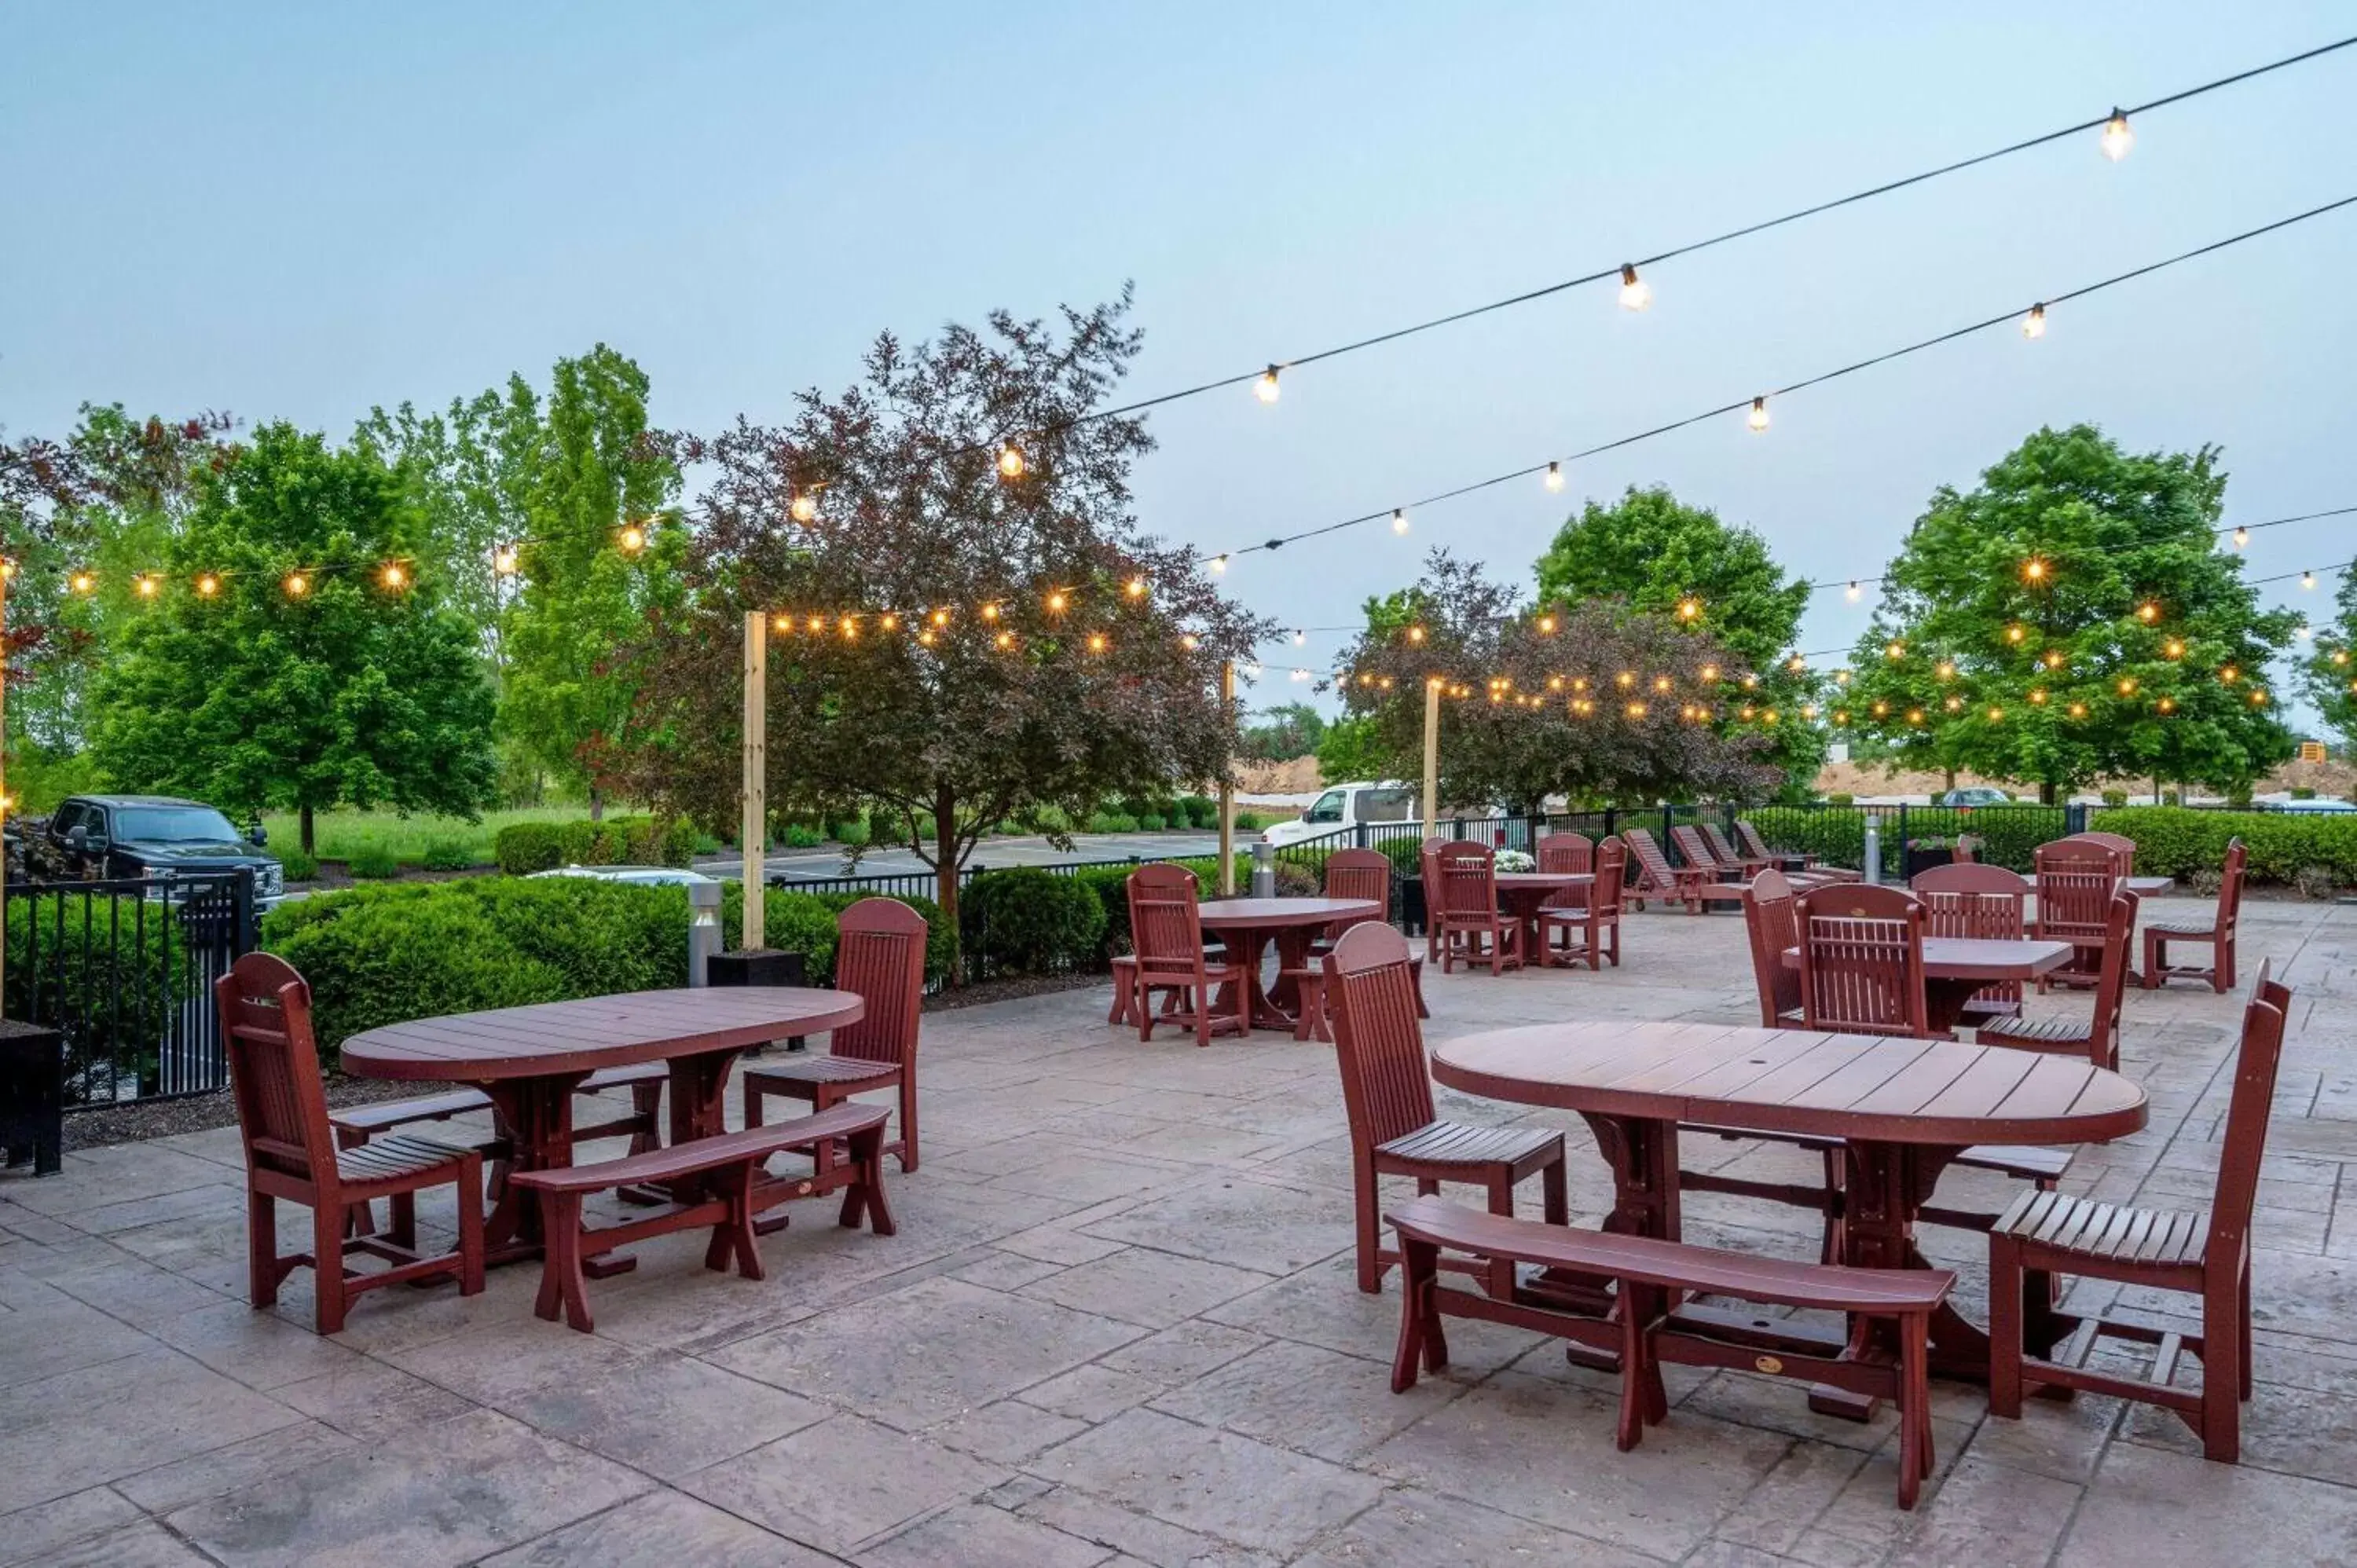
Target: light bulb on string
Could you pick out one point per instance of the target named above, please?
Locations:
(1636, 294)
(817, 625)
(1097, 643)
(1547, 625)
(2051, 658)
(1553, 480)
(889, 621)
(2166, 704)
(208, 585)
(804, 506)
(504, 559)
(1895, 649)
(1010, 461)
(1415, 634)
(1954, 703)
(2242, 537)
(2303, 631)
(2127, 686)
(1853, 591)
(1690, 609)
(1399, 520)
(1136, 588)
(2308, 579)
(2173, 649)
(2034, 570)
(1056, 602)
(395, 576)
(1190, 641)
(298, 584)
(144, 586)
(1708, 672)
(1220, 564)
(1841, 677)
(2033, 326)
(1265, 385)
(2016, 632)
(82, 582)
(2147, 612)
(1758, 418)
(2117, 138)
(1300, 637)
(2258, 697)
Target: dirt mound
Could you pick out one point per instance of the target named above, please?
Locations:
(1298, 777)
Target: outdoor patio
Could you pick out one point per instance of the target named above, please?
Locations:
(1118, 1325)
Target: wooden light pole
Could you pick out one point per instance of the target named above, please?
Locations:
(1431, 756)
(753, 828)
(1227, 793)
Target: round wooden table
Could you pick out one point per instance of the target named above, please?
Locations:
(1900, 1109)
(530, 1061)
(1523, 894)
(1246, 926)
(1956, 969)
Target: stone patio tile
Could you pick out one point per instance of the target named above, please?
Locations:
(841, 1483)
(667, 1415)
(30, 1534)
(164, 1209)
(96, 1423)
(2147, 1506)
(259, 1349)
(1248, 1224)
(2063, 1439)
(1137, 1535)
(1317, 1402)
(498, 1364)
(996, 1270)
(138, 1291)
(369, 1400)
(1091, 1393)
(1059, 1244)
(1007, 1433)
(1863, 1523)
(59, 1334)
(661, 1530)
(977, 1536)
(110, 1174)
(444, 1494)
(143, 1545)
(1218, 1482)
(1324, 1306)
(1412, 1526)
(926, 1353)
(1182, 1351)
(1988, 1515)
(1778, 1514)
(1545, 1451)
(231, 1467)
(1086, 1178)
(2300, 1432)
(1144, 1286)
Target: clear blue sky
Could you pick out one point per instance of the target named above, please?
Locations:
(300, 210)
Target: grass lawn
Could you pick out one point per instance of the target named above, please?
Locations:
(340, 833)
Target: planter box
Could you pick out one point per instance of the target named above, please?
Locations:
(1412, 905)
(1922, 859)
(759, 966)
(32, 1095)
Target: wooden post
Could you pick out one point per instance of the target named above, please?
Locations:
(1227, 793)
(7, 806)
(753, 830)
(1431, 756)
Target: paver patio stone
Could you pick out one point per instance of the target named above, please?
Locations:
(1007, 1433)
(1413, 1526)
(2146, 1506)
(1251, 1225)
(839, 1484)
(667, 1415)
(142, 1545)
(661, 1530)
(975, 1535)
(1334, 1406)
(1146, 1288)
(232, 1466)
(31, 1534)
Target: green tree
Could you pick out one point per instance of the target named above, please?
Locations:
(1284, 732)
(600, 473)
(2330, 674)
(309, 678)
(1682, 564)
(2072, 619)
(1351, 749)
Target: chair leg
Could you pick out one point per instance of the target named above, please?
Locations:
(2154, 953)
(262, 1270)
(2222, 1371)
(1914, 1398)
(1554, 1195)
(1369, 1227)
(824, 1097)
(2223, 974)
(753, 1097)
(1419, 1263)
(2243, 1325)
(1501, 1202)
(327, 1266)
(646, 1104)
(1125, 993)
(2005, 1328)
(1416, 985)
(907, 1117)
(470, 1225)
(1634, 1359)
(402, 1232)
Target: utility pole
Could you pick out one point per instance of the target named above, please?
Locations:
(1227, 790)
(753, 831)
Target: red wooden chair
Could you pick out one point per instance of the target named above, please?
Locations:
(1565, 855)
(1471, 927)
(290, 1152)
(1968, 900)
(1774, 929)
(1862, 960)
(879, 954)
(2120, 845)
(1657, 879)
(2217, 933)
(1747, 865)
(1355, 874)
(1168, 933)
(2098, 1038)
(2074, 904)
(2205, 1256)
(1593, 929)
(1387, 1095)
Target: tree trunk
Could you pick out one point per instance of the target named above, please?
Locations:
(596, 804)
(307, 835)
(2046, 792)
(1950, 774)
(945, 873)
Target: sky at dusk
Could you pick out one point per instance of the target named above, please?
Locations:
(301, 211)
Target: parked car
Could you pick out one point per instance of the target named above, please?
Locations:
(1978, 795)
(1356, 804)
(2328, 806)
(108, 837)
(637, 875)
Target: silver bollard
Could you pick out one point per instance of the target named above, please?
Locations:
(1264, 876)
(1873, 849)
(702, 929)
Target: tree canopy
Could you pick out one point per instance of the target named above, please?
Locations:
(1596, 702)
(2330, 674)
(1282, 732)
(2072, 618)
(305, 678)
(1680, 563)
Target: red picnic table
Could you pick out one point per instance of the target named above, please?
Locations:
(1246, 926)
(1900, 1108)
(1955, 967)
(530, 1061)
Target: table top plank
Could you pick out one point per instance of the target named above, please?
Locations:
(1984, 959)
(549, 1038)
(1274, 914)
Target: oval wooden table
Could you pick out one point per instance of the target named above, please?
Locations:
(1523, 894)
(1900, 1109)
(1246, 926)
(1955, 968)
(530, 1061)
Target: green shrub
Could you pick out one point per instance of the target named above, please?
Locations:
(2116, 798)
(1112, 822)
(1840, 797)
(1197, 811)
(800, 837)
(1296, 881)
(2175, 841)
(1249, 822)
(522, 848)
(446, 854)
(1152, 823)
(298, 866)
(2302, 792)
(372, 863)
(1032, 922)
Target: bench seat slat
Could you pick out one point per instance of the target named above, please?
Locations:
(702, 1154)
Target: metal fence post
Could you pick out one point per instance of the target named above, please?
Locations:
(2075, 816)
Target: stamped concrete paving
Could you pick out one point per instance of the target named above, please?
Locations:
(1119, 1325)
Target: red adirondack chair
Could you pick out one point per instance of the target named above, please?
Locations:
(2097, 1039)
(1696, 850)
(1969, 899)
(1167, 934)
(1471, 927)
(1387, 1095)
(1593, 929)
(880, 954)
(1862, 960)
(1774, 928)
(1657, 879)
(2217, 933)
(2074, 904)
(2205, 1256)
(290, 1152)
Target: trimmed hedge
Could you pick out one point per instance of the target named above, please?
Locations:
(1032, 920)
(2172, 840)
(522, 848)
(2007, 836)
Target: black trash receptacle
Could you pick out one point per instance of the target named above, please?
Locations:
(32, 1095)
(757, 966)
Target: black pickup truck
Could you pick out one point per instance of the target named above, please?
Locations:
(102, 837)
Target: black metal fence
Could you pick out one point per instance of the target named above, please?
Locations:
(125, 969)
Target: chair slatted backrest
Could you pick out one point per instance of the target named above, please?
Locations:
(1361, 873)
(1647, 853)
(1370, 998)
(1721, 850)
(1862, 960)
(1427, 859)
(1773, 931)
(1749, 837)
(2230, 886)
(273, 1067)
(2253, 1101)
(880, 953)
(2074, 890)
(1975, 900)
(2112, 977)
(1469, 881)
(1693, 848)
(1605, 894)
(1164, 926)
(1567, 855)
(2119, 844)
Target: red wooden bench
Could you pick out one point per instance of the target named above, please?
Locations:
(1642, 1330)
(717, 1176)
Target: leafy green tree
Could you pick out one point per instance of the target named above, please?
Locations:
(2330, 674)
(585, 594)
(1680, 563)
(1284, 732)
(2072, 619)
(1597, 703)
(309, 678)
(1352, 749)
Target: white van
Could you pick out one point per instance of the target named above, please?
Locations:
(1348, 806)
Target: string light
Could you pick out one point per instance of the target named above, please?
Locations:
(1547, 625)
(208, 585)
(1881, 709)
(941, 617)
(2037, 695)
(1220, 564)
(2166, 704)
(2242, 537)
(817, 625)
(1947, 670)
(1097, 643)
(2033, 326)
(850, 629)
(1636, 294)
(889, 621)
(7, 573)
(1841, 677)
(1662, 682)
(2033, 570)
(1004, 639)
(1895, 650)
(393, 576)
(2117, 138)
(1300, 637)
(1136, 588)
(1915, 715)
(1636, 710)
(82, 581)
(1399, 520)
(2127, 686)
(1997, 716)
(2016, 632)
(1056, 602)
(2147, 612)
(1415, 634)
(1264, 387)
(1555, 476)
(1751, 682)
(2051, 658)
(990, 612)
(2173, 649)
(1758, 418)
(1798, 664)
(1709, 672)
(2078, 710)
(144, 586)
(1010, 461)
(804, 506)
(2308, 579)
(1190, 641)
(298, 584)
(1954, 703)
(503, 561)
(2258, 698)
(1689, 609)
(2230, 674)
(926, 637)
